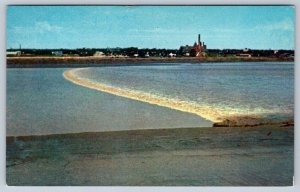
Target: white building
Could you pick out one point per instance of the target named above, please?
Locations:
(245, 50)
(57, 53)
(13, 53)
(172, 55)
(245, 55)
(98, 54)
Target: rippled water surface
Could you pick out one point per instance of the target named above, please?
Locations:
(51, 101)
(264, 89)
(40, 101)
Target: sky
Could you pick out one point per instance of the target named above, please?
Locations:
(221, 27)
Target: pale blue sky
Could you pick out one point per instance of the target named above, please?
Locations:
(256, 27)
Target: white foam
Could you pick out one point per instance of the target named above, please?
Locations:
(214, 114)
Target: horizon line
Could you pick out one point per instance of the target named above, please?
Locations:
(151, 48)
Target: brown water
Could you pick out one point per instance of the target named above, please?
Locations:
(215, 91)
(40, 101)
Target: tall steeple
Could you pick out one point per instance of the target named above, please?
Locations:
(199, 40)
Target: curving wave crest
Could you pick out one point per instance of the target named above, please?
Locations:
(208, 112)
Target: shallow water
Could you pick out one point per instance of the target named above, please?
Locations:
(215, 91)
(40, 101)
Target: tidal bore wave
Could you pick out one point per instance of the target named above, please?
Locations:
(221, 116)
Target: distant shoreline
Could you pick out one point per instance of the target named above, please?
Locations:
(15, 62)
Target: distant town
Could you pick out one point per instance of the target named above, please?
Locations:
(198, 49)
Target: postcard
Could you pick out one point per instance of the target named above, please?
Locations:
(150, 95)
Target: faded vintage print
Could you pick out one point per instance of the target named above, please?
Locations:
(150, 95)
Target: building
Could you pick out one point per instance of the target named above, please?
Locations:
(13, 53)
(244, 55)
(246, 50)
(197, 50)
(99, 54)
(185, 50)
(147, 54)
(172, 55)
(57, 53)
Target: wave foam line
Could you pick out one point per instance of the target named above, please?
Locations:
(184, 106)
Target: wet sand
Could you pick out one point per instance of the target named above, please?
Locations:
(219, 156)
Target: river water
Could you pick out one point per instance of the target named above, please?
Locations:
(50, 100)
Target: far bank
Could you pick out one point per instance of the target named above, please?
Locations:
(47, 61)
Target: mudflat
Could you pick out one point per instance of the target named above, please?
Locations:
(218, 156)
